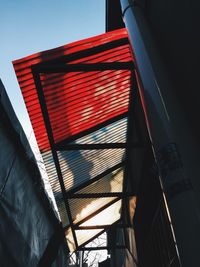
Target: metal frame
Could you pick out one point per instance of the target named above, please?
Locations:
(100, 248)
(87, 52)
(97, 178)
(57, 66)
(91, 130)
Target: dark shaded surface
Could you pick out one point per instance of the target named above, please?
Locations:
(105, 263)
(154, 238)
(28, 220)
(113, 15)
(175, 28)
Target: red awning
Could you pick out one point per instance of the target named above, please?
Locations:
(77, 97)
(77, 101)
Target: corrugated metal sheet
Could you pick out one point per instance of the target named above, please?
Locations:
(105, 96)
(85, 235)
(82, 208)
(57, 83)
(80, 166)
(112, 133)
(112, 182)
(103, 218)
(80, 122)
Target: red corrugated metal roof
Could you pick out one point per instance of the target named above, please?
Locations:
(79, 100)
(81, 107)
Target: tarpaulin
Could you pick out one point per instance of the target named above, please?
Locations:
(27, 218)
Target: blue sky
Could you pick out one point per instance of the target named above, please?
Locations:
(29, 26)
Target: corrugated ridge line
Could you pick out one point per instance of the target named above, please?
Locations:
(83, 238)
(77, 206)
(120, 137)
(102, 184)
(73, 120)
(99, 167)
(79, 80)
(116, 128)
(109, 55)
(86, 123)
(41, 121)
(36, 105)
(48, 58)
(25, 77)
(111, 219)
(70, 90)
(57, 111)
(70, 48)
(100, 107)
(103, 56)
(55, 81)
(74, 129)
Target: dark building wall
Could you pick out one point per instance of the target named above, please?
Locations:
(174, 37)
(174, 25)
(158, 31)
(174, 28)
(27, 219)
(113, 15)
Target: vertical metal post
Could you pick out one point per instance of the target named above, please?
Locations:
(113, 15)
(160, 107)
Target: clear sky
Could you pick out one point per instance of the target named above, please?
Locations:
(29, 26)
